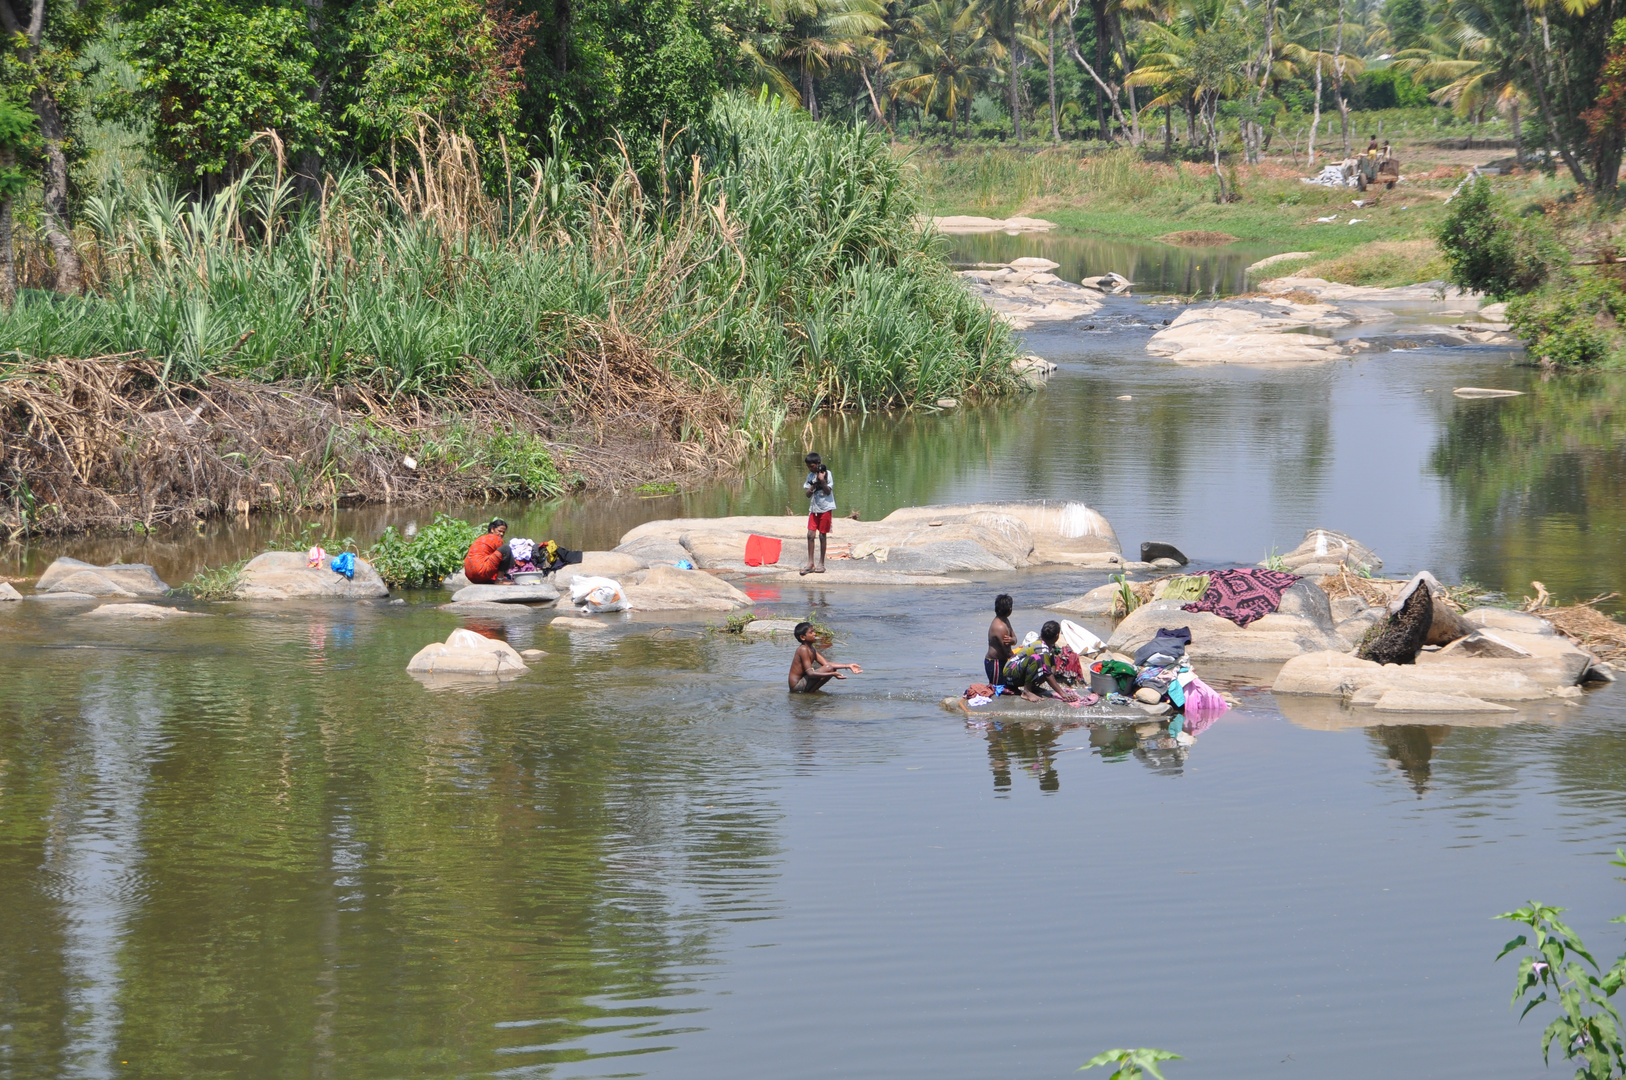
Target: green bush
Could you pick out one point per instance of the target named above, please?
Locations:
(436, 552)
(1573, 322)
(1489, 251)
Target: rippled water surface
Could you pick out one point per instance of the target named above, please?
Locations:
(251, 845)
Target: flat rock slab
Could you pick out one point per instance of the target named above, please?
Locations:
(966, 224)
(284, 575)
(855, 572)
(1022, 297)
(1338, 674)
(1252, 331)
(571, 622)
(486, 607)
(1485, 392)
(764, 627)
(141, 612)
(666, 588)
(62, 596)
(120, 579)
(1413, 701)
(542, 593)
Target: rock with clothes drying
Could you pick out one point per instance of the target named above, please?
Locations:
(470, 654)
(921, 543)
(67, 575)
(286, 575)
(1302, 623)
(1327, 551)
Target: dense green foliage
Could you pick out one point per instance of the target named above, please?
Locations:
(1575, 321)
(1487, 250)
(435, 552)
(793, 270)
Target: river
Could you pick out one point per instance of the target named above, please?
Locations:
(252, 846)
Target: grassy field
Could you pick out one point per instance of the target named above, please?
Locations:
(1127, 195)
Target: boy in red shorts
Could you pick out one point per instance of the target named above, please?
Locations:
(821, 509)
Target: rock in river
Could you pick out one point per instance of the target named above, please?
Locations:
(7, 592)
(1252, 331)
(540, 593)
(1326, 551)
(284, 575)
(468, 653)
(1022, 295)
(121, 579)
(666, 588)
(1302, 624)
(141, 612)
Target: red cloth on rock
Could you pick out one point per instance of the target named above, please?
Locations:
(761, 550)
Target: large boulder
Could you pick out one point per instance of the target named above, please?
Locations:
(1326, 551)
(1301, 624)
(121, 579)
(7, 592)
(540, 593)
(666, 588)
(657, 551)
(1252, 331)
(1553, 665)
(284, 575)
(468, 653)
(919, 542)
(1099, 603)
(1490, 618)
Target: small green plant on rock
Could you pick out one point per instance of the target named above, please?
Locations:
(736, 624)
(213, 583)
(1131, 1064)
(1276, 561)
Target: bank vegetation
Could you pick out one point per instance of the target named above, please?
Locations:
(414, 334)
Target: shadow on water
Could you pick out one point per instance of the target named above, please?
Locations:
(1154, 268)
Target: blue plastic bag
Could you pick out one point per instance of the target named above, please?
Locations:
(345, 564)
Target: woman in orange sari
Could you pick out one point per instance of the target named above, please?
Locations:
(489, 560)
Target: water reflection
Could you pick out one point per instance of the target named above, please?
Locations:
(1154, 268)
(1410, 748)
(1540, 482)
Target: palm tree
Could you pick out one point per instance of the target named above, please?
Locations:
(1198, 61)
(822, 35)
(948, 46)
(1481, 71)
(1041, 17)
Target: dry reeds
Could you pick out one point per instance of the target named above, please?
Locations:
(1583, 623)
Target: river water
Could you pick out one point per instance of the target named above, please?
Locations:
(252, 846)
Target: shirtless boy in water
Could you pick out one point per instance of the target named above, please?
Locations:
(809, 670)
(1001, 639)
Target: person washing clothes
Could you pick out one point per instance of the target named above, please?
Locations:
(821, 510)
(489, 558)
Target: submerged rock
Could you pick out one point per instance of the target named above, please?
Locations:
(470, 654)
(284, 575)
(142, 612)
(571, 622)
(765, 627)
(67, 575)
(1301, 624)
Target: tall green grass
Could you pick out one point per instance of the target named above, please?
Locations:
(776, 264)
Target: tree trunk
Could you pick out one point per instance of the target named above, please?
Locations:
(1098, 11)
(1539, 81)
(54, 195)
(1518, 140)
(1338, 85)
(1016, 97)
(809, 101)
(1050, 63)
(1103, 91)
(1168, 132)
(1315, 123)
(8, 257)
